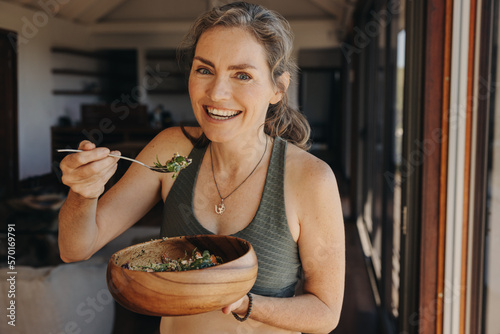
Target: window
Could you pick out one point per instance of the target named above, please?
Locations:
(492, 238)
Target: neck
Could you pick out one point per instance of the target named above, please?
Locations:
(232, 158)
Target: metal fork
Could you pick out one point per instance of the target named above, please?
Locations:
(153, 168)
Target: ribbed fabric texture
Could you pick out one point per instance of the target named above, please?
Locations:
(269, 234)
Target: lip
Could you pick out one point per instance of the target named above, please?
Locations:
(222, 114)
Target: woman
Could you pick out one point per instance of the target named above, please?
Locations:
(251, 177)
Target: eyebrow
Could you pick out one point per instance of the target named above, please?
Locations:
(232, 67)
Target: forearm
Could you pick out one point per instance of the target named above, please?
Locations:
(78, 230)
(305, 313)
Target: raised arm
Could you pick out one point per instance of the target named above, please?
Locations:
(86, 174)
(87, 222)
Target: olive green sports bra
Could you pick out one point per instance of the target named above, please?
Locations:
(268, 232)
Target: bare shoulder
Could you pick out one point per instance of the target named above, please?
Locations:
(306, 170)
(311, 188)
(172, 140)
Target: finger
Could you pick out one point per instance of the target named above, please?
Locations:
(78, 172)
(96, 168)
(94, 185)
(83, 158)
(86, 145)
(110, 172)
(103, 178)
(100, 177)
(116, 153)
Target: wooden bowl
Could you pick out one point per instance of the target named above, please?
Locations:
(184, 292)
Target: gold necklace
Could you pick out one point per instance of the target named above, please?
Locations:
(221, 207)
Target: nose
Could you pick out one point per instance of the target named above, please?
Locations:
(219, 89)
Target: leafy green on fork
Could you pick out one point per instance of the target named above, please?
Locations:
(175, 165)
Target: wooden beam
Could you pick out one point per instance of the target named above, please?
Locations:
(73, 9)
(468, 162)
(213, 3)
(329, 6)
(29, 3)
(97, 12)
(143, 27)
(181, 26)
(441, 242)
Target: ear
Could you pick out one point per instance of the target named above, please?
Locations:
(281, 87)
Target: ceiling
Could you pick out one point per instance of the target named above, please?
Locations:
(108, 12)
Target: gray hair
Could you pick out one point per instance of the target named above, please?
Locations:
(273, 32)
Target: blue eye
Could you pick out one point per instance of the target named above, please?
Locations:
(203, 71)
(243, 76)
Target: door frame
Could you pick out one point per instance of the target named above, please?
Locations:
(12, 120)
(479, 172)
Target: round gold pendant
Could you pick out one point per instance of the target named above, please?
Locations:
(220, 208)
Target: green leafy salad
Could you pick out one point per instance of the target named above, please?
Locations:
(175, 165)
(198, 260)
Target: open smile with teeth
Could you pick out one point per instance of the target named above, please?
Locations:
(221, 114)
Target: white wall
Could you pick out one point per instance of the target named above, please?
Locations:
(311, 35)
(37, 110)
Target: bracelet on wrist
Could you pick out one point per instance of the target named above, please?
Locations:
(250, 304)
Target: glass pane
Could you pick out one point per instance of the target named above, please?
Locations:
(492, 246)
(397, 154)
(381, 136)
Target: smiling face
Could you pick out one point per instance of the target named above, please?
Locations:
(230, 84)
